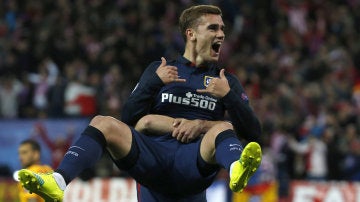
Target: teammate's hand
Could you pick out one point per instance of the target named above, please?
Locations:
(167, 73)
(186, 130)
(218, 87)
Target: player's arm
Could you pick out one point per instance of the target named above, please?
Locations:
(139, 103)
(232, 95)
(188, 130)
(241, 114)
(182, 129)
(155, 124)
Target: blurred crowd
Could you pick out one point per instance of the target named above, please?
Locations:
(298, 60)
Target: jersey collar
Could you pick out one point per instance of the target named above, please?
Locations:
(181, 59)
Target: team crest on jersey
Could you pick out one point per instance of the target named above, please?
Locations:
(207, 80)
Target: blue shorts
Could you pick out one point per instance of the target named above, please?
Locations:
(167, 169)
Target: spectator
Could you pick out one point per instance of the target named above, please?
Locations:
(10, 89)
(30, 158)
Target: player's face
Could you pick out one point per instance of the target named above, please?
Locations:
(27, 155)
(209, 38)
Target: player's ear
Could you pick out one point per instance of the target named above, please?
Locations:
(190, 34)
(37, 155)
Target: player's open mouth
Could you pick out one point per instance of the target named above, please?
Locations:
(216, 46)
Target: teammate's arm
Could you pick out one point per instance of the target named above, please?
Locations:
(188, 130)
(183, 130)
(155, 124)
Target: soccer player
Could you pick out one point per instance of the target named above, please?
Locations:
(182, 161)
(29, 155)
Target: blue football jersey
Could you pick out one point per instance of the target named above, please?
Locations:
(180, 100)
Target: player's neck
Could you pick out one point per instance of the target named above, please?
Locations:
(193, 58)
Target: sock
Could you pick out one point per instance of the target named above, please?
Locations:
(84, 153)
(228, 148)
(231, 167)
(60, 181)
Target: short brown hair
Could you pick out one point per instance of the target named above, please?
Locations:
(190, 16)
(34, 144)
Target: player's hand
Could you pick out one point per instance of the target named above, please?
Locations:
(186, 130)
(218, 87)
(167, 73)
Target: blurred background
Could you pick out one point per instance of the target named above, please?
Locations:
(64, 61)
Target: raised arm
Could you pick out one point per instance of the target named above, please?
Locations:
(241, 114)
(156, 75)
(139, 102)
(232, 94)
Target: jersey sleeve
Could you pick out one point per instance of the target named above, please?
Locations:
(142, 97)
(241, 115)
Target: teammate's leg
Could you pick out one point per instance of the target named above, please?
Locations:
(220, 145)
(102, 132)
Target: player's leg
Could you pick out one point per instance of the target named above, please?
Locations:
(220, 145)
(102, 132)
